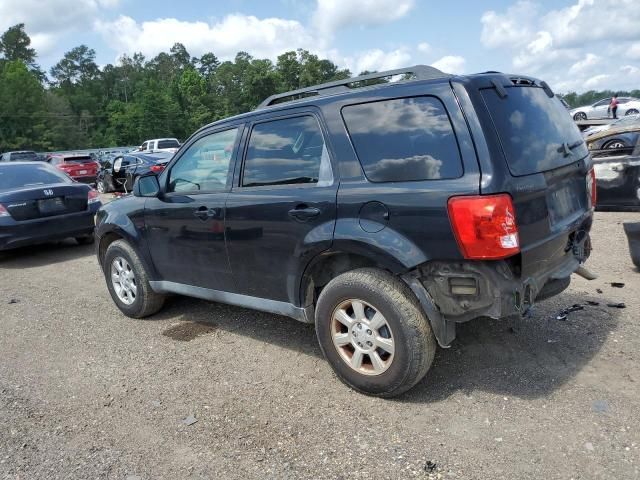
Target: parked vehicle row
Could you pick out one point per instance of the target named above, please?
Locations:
(384, 214)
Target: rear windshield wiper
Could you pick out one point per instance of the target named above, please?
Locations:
(566, 148)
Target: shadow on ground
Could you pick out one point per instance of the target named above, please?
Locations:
(44, 254)
(526, 358)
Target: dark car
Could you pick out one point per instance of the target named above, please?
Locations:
(40, 204)
(80, 167)
(621, 137)
(386, 213)
(119, 173)
(20, 156)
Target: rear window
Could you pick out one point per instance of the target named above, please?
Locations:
(18, 176)
(404, 139)
(83, 159)
(23, 156)
(536, 132)
(168, 144)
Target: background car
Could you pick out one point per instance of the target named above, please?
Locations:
(118, 173)
(626, 121)
(160, 145)
(39, 203)
(620, 138)
(20, 156)
(80, 167)
(626, 106)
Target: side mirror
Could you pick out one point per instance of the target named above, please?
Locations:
(146, 186)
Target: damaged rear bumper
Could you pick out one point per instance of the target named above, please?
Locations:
(456, 292)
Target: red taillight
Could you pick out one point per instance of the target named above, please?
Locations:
(591, 187)
(157, 168)
(4, 212)
(93, 196)
(485, 226)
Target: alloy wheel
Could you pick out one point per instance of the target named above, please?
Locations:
(362, 336)
(123, 281)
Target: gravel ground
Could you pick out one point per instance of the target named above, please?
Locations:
(88, 393)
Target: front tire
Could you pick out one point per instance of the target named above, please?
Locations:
(373, 332)
(128, 282)
(102, 186)
(580, 116)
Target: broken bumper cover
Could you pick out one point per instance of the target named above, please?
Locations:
(455, 292)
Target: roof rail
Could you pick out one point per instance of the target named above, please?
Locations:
(419, 72)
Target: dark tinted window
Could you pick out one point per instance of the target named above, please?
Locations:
(168, 144)
(78, 159)
(404, 139)
(286, 151)
(17, 176)
(23, 156)
(534, 129)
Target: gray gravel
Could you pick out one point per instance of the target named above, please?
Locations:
(203, 390)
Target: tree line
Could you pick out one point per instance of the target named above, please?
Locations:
(79, 105)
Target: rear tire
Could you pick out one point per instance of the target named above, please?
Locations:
(131, 292)
(383, 361)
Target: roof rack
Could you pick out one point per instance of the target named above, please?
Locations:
(419, 72)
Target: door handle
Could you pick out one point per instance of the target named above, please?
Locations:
(302, 213)
(203, 213)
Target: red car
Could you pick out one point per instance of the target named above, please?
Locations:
(82, 168)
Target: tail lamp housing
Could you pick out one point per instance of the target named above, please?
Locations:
(484, 226)
(92, 196)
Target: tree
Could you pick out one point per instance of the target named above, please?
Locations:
(22, 115)
(14, 45)
(78, 65)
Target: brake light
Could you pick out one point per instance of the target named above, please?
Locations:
(485, 226)
(157, 168)
(4, 212)
(591, 187)
(93, 197)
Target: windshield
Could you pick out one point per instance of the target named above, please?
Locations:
(536, 132)
(18, 176)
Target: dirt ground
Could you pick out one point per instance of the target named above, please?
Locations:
(88, 393)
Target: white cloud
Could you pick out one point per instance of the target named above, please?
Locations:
(578, 47)
(450, 64)
(376, 60)
(260, 37)
(424, 47)
(47, 21)
(331, 15)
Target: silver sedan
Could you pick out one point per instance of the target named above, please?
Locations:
(600, 109)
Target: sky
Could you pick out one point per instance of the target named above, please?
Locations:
(575, 45)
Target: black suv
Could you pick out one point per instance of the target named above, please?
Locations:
(384, 211)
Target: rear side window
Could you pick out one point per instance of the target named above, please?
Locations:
(168, 144)
(287, 151)
(404, 139)
(536, 132)
(18, 176)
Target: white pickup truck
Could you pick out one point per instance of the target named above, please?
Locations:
(160, 145)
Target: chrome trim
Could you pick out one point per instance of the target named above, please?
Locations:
(304, 315)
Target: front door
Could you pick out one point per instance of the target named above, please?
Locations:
(185, 225)
(282, 212)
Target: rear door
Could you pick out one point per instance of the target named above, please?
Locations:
(185, 226)
(547, 163)
(282, 210)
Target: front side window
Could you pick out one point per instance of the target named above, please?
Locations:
(205, 165)
(404, 139)
(287, 151)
